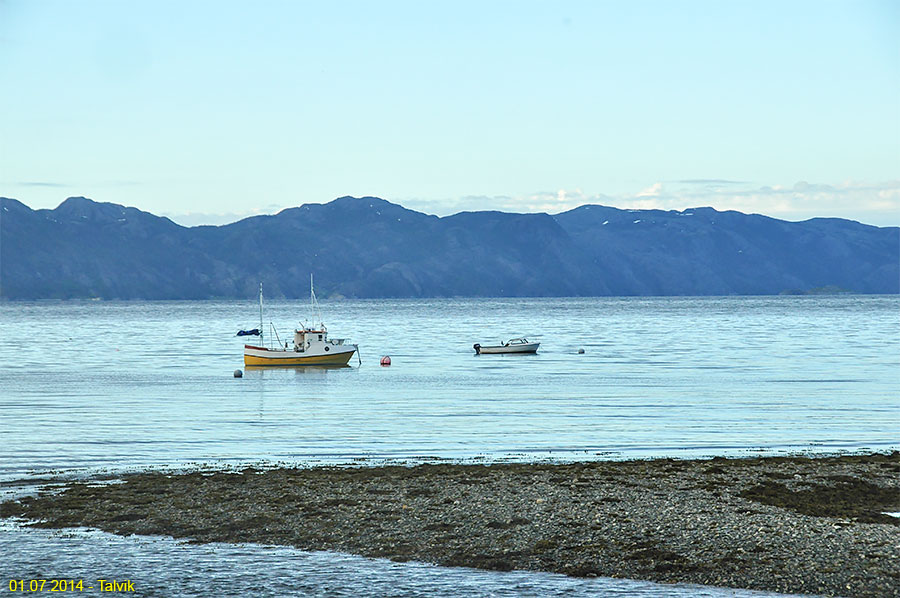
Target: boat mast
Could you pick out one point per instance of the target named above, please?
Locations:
(314, 305)
(261, 338)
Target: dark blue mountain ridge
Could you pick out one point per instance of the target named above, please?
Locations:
(369, 247)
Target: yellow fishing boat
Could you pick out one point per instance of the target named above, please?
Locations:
(311, 345)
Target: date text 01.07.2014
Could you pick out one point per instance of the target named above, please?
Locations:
(68, 585)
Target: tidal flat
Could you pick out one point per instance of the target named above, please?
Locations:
(813, 525)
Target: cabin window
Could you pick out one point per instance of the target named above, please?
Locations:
(320, 337)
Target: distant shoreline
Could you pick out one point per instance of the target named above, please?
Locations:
(787, 524)
(339, 299)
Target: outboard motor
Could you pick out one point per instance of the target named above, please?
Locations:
(477, 348)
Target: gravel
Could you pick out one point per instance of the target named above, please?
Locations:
(786, 524)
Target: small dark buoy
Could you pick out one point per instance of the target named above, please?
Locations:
(580, 351)
(238, 374)
(385, 360)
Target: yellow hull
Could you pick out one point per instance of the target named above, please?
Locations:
(336, 359)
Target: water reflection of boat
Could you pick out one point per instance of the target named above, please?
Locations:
(311, 345)
(306, 370)
(514, 345)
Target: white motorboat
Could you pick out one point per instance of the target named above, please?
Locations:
(513, 345)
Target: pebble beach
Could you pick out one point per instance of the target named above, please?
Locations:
(808, 525)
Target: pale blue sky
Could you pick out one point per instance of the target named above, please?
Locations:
(208, 111)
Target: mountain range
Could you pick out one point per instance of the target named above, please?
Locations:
(369, 247)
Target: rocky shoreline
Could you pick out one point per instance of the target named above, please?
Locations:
(786, 524)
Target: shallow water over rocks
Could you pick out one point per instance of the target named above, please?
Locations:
(163, 567)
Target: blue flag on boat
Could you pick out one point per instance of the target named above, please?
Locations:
(254, 332)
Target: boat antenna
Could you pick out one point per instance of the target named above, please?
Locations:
(314, 304)
(261, 339)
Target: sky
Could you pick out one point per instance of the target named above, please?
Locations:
(208, 112)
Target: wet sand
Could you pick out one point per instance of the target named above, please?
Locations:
(787, 524)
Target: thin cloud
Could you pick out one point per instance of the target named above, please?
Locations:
(871, 203)
(710, 182)
(218, 219)
(446, 206)
(41, 184)
(550, 202)
(654, 190)
(877, 203)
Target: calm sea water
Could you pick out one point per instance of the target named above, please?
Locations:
(106, 386)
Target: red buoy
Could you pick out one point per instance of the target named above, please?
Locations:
(385, 360)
